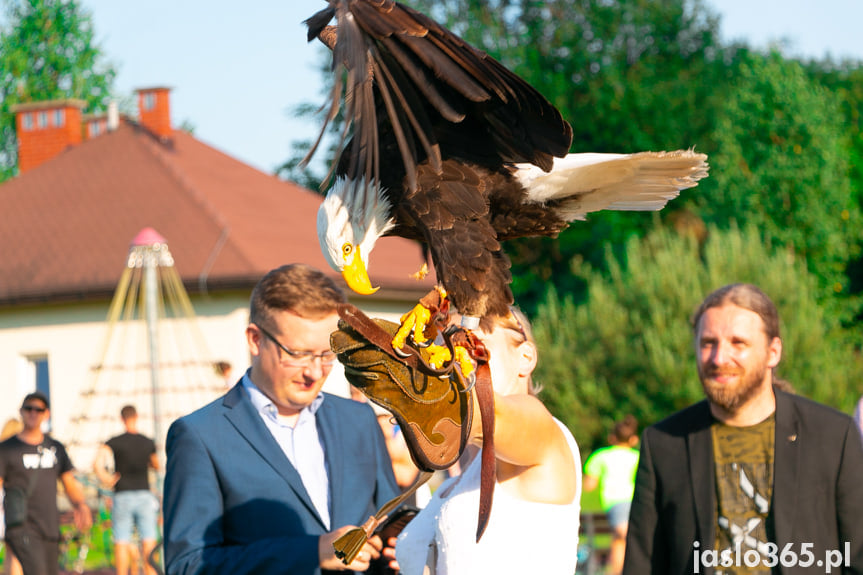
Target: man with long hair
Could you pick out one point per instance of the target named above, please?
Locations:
(752, 479)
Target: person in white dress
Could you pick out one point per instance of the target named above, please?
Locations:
(534, 520)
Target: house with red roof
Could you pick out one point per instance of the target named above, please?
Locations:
(87, 186)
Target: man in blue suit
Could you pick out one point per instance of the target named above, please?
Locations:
(264, 479)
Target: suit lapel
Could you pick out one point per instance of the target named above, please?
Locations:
(328, 427)
(702, 472)
(785, 467)
(243, 416)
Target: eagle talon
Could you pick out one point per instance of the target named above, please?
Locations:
(398, 351)
(420, 344)
(471, 381)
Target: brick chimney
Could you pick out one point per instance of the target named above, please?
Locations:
(154, 111)
(97, 124)
(45, 129)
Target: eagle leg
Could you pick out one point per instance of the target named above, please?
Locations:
(413, 326)
(468, 349)
(420, 326)
(419, 323)
(439, 356)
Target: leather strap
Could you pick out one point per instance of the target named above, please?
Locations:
(488, 471)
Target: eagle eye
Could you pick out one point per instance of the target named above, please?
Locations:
(347, 249)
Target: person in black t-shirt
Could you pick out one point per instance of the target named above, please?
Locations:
(134, 504)
(30, 465)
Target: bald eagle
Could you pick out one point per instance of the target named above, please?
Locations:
(450, 148)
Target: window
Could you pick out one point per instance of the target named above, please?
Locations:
(59, 118)
(34, 375)
(27, 121)
(149, 101)
(43, 381)
(95, 128)
(42, 119)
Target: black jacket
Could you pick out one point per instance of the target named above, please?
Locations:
(817, 490)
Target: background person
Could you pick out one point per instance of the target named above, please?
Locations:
(31, 462)
(11, 565)
(533, 527)
(612, 470)
(135, 506)
(263, 480)
(858, 416)
(751, 465)
(225, 371)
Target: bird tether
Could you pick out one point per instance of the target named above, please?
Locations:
(433, 407)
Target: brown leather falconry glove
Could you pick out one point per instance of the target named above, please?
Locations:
(432, 406)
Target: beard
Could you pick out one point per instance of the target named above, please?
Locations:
(731, 397)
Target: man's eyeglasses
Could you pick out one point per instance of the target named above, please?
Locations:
(299, 358)
(35, 408)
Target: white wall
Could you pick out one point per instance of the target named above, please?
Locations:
(74, 338)
(81, 357)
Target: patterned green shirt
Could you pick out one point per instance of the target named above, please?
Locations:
(744, 486)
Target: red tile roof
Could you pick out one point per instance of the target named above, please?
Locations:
(66, 226)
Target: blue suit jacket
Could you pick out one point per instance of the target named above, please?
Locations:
(233, 502)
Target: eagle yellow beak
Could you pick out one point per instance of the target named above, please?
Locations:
(356, 276)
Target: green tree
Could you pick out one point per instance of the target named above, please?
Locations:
(47, 51)
(781, 164)
(628, 347)
(845, 80)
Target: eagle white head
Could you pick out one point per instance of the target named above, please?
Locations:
(350, 220)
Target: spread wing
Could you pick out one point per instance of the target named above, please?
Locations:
(412, 85)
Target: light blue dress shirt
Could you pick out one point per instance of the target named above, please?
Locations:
(301, 444)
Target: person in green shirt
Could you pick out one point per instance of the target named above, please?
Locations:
(612, 470)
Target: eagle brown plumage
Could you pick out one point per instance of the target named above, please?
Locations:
(450, 148)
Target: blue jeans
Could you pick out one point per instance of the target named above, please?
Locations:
(618, 514)
(135, 509)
